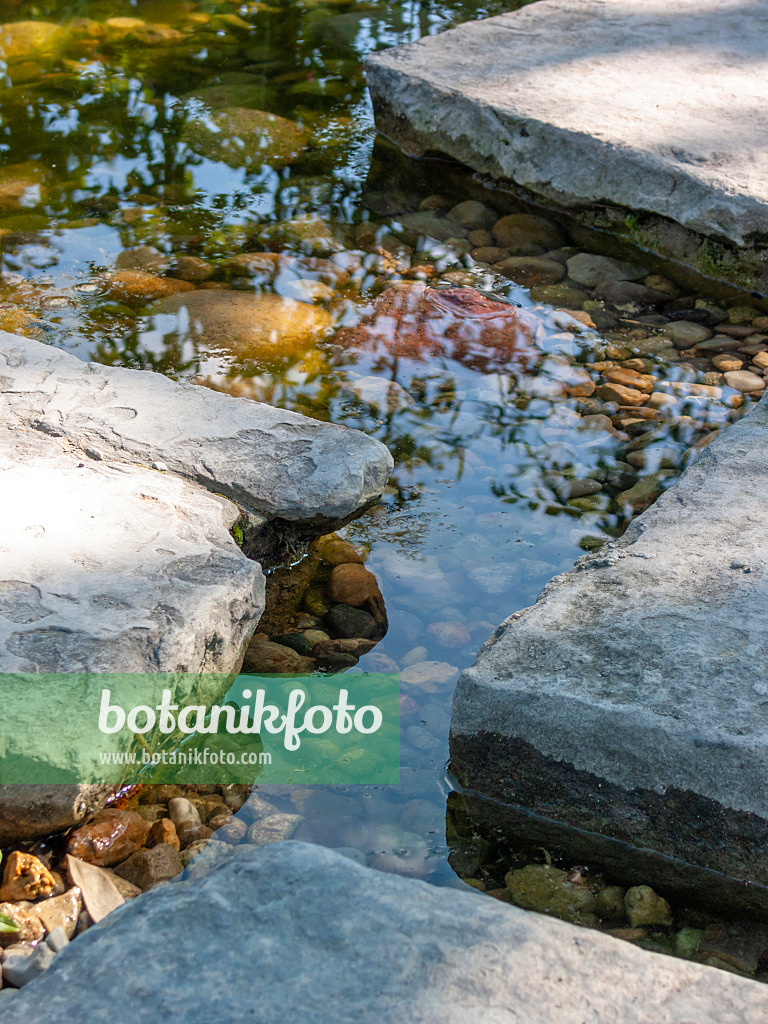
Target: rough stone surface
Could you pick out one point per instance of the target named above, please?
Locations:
(654, 106)
(631, 698)
(106, 566)
(333, 941)
(269, 461)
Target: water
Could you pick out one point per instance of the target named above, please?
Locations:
(110, 127)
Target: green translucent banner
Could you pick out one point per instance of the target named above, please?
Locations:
(119, 729)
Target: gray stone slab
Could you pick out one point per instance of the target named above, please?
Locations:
(109, 567)
(292, 932)
(656, 106)
(272, 462)
(106, 567)
(632, 699)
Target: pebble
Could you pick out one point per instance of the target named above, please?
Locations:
(354, 585)
(630, 378)
(25, 878)
(136, 286)
(163, 831)
(546, 889)
(480, 239)
(527, 234)
(620, 394)
(143, 257)
(296, 641)
(193, 269)
(488, 254)
(57, 940)
(429, 673)
(718, 343)
(628, 293)
(377, 661)
(148, 868)
(315, 636)
(685, 334)
(645, 907)
(190, 832)
(273, 829)
(24, 915)
(336, 551)
(264, 656)
(97, 886)
(530, 270)
(591, 270)
(414, 656)
(744, 381)
(473, 215)
(346, 621)
(112, 836)
(760, 360)
(578, 489)
(725, 361)
(232, 831)
(181, 810)
(20, 970)
(61, 912)
(449, 634)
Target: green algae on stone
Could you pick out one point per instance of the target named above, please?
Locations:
(241, 137)
(546, 889)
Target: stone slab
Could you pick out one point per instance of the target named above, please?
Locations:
(656, 106)
(296, 932)
(632, 699)
(275, 463)
(106, 567)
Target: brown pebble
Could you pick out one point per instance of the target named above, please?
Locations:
(25, 878)
(190, 831)
(163, 831)
(112, 836)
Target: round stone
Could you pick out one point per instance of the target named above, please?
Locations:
(488, 254)
(449, 634)
(591, 270)
(142, 257)
(136, 287)
(473, 215)
(526, 234)
(529, 270)
(685, 334)
(727, 361)
(745, 381)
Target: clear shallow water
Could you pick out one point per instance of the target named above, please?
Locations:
(477, 517)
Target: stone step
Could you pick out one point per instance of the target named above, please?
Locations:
(292, 932)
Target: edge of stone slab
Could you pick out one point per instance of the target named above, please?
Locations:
(368, 946)
(493, 709)
(268, 461)
(525, 148)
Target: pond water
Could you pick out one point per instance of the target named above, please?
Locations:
(210, 130)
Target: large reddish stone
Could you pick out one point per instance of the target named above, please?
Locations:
(112, 836)
(418, 322)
